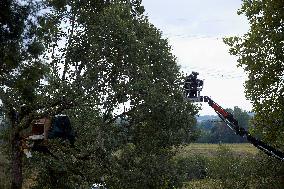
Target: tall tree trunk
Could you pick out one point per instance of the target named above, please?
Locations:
(17, 176)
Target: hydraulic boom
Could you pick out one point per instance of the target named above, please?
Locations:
(193, 86)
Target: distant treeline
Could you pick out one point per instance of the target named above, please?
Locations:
(213, 130)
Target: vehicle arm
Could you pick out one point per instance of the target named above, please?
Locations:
(230, 121)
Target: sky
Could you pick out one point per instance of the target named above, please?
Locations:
(195, 30)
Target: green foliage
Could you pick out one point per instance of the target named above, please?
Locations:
(88, 60)
(228, 169)
(245, 172)
(21, 69)
(5, 180)
(260, 53)
(192, 167)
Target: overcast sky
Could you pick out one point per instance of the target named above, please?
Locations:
(195, 30)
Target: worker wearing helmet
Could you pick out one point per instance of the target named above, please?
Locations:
(191, 84)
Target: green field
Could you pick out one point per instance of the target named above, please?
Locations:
(239, 149)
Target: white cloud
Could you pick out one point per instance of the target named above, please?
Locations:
(195, 30)
(206, 17)
(210, 57)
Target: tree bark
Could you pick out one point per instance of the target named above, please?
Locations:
(17, 176)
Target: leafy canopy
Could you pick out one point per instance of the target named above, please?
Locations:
(89, 60)
(260, 53)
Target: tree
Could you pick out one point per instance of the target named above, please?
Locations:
(120, 58)
(93, 57)
(21, 70)
(260, 53)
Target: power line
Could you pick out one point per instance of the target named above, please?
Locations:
(217, 73)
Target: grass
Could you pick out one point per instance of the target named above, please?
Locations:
(209, 150)
(203, 184)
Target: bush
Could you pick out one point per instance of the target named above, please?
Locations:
(230, 170)
(234, 171)
(192, 167)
